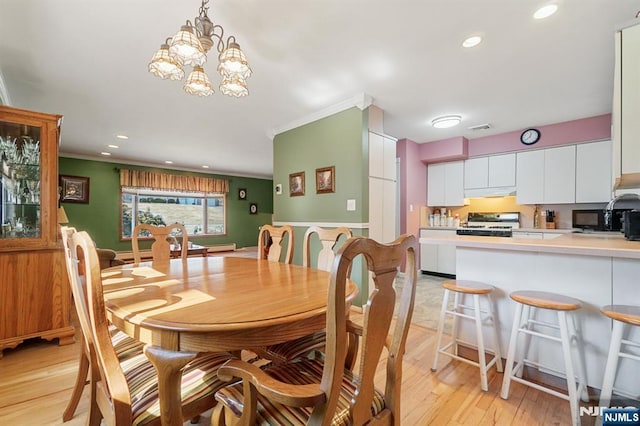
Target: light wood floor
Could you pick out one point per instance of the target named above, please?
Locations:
(36, 380)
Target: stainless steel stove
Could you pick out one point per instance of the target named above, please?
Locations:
(490, 224)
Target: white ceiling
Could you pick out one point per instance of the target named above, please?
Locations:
(87, 60)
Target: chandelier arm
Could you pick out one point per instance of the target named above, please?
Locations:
(204, 8)
(219, 37)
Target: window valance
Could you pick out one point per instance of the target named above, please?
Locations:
(154, 180)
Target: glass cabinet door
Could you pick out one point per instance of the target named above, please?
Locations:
(20, 178)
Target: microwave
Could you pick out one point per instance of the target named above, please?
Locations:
(588, 219)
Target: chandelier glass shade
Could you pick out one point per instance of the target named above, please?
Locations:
(165, 66)
(190, 45)
(198, 83)
(234, 86)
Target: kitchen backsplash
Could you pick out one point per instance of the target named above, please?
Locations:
(508, 204)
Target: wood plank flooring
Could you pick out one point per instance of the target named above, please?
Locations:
(36, 381)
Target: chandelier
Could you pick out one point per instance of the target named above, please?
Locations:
(190, 46)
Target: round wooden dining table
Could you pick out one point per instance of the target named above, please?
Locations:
(201, 304)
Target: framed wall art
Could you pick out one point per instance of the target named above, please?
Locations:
(253, 208)
(296, 184)
(325, 180)
(242, 194)
(75, 189)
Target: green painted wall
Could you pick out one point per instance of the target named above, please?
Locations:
(332, 141)
(340, 140)
(101, 216)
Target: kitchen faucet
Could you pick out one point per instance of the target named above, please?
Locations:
(608, 211)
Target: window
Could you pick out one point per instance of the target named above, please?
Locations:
(201, 214)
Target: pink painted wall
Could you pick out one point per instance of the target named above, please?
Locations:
(413, 185)
(568, 132)
(444, 150)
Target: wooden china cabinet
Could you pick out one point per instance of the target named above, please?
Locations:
(35, 300)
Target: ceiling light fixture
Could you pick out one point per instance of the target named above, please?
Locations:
(122, 136)
(190, 46)
(545, 11)
(113, 146)
(472, 41)
(446, 121)
(105, 153)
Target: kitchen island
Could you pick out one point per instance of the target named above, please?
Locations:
(598, 269)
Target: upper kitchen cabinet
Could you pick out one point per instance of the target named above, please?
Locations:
(483, 175)
(593, 172)
(546, 176)
(382, 156)
(626, 109)
(445, 184)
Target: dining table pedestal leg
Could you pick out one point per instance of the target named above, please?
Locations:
(169, 366)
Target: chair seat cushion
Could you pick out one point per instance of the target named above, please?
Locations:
(300, 372)
(124, 345)
(199, 380)
(293, 349)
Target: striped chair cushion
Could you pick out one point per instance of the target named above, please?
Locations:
(302, 372)
(293, 349)
(199, 380)
(124, 345)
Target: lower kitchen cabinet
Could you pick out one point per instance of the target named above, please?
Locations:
(437, 258)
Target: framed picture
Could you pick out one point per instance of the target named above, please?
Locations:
(296, 184)
(253, 208)
(325, 180)
(242, 194)
(75, 189)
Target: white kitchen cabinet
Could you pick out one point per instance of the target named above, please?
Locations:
(593, 172)
(490, 172)
(630, 99)
(382, 156)
(546, 176)
(502, 170)
(438, 258)
(445, 184)
(476, 173)
(382, 209)
(530, 177)
(560, 175)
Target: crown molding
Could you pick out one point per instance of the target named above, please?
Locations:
(361, 100)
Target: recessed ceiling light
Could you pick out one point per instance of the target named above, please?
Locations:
(113, 146)
(122, 136)
(205, 167)
(472, 41)
(169, 162)
(105, 153)
(446, 121)
(545, 11)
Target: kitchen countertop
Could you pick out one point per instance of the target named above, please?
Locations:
(588, 244)
(544, 230)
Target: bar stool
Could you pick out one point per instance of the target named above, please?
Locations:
(623, 315)
(524, 322)
(475, 289)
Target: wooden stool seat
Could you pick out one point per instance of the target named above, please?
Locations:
(623, 313)
(468, 287)
(546, 300)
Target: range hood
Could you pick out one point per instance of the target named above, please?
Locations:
(498, 191)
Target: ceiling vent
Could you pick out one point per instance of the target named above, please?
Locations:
(480, 127)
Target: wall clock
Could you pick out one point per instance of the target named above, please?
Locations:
(530, 136)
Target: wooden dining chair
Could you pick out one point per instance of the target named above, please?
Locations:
(322, 391)
(329, 239)
(126, 393)
(271, 240)
(162, 235)
(123, 345)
